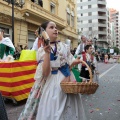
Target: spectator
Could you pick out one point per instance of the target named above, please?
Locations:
(80, 48)
(106, 58)
(6, 47)
(17, 53)
(90, 60)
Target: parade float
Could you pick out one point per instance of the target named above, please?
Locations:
(17, 77)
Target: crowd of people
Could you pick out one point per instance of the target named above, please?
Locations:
(100, 56)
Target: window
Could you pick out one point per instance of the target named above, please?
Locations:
(81, 7)
(40, 2)
(72, 19)
(80, 0)
(68, 16)
(89, 13)
(89, 0)
(90, 21)
(89, 6)
(52, 8)
(33, 0)
(81, 29)
(81, 14)
(90, 28)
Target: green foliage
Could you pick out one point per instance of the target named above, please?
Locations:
(116, 50)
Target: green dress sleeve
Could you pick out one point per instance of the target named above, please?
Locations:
(9, 51)
(2, 50)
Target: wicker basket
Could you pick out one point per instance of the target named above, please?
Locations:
(80, 87)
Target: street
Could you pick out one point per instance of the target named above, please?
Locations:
(103, 105)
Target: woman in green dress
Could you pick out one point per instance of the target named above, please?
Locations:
(7, 49)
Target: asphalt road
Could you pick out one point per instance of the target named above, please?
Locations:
(103, 105)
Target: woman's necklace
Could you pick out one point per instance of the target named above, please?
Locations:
(55, 48)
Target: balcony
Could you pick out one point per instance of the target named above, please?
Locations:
(103, 40)
(104, 10)
(39, 14)
(102, 32)
(117, 44)
(103, 2)
(102, 25)
(101, 13)
(102, 17)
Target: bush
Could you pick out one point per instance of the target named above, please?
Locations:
(116, 50)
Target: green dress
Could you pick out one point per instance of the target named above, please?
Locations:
(5, 50)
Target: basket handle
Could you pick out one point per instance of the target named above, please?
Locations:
(90, 72)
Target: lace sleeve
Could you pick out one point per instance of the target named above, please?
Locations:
(39, 70)
(69, 56)
(40, 54)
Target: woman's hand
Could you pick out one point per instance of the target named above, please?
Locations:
(9, 58)
(76, 61)
(46, 62)
(47, 49)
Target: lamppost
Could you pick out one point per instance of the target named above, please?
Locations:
(95, 39)
(17, 4)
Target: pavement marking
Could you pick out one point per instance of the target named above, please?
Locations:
(101, 75)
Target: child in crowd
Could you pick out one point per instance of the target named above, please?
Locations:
(90, 60)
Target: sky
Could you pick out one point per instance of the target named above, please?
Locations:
(113, 4)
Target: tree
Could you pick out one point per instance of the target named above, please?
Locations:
(91, 32)
(116, 50)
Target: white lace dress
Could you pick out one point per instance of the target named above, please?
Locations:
(47, 99)
(54, 104)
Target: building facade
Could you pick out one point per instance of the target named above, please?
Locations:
(92, 20)
(109, 30)
(33, 13)
(114, 19)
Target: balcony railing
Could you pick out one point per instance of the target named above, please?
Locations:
(102, 32)
(102, 25)
(103, 2)
(102, 17)
(102, 40)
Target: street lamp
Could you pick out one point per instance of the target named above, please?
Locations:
(95, 39)
(17, 4)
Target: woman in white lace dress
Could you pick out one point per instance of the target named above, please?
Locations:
(46, 98)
